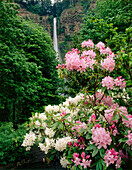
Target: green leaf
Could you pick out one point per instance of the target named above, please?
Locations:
(101, 108)
(61, 126)
(99, 165)
(123, 140)
(80, 167)
(95, 151)
(116, 117)
(74, 168)
(88, 136)
(66, 116)
(102, 152)
(124, 117)
(91, 147)
(69, 156)
(55, 125)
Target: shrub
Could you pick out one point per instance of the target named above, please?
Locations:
(10, 143)
(90, 130)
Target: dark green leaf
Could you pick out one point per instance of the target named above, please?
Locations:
(95, 151)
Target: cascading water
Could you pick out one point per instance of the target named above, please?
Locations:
(56, 42)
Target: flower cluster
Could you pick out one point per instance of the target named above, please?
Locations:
(88, 43)
(108, 64)
(84, 162)
(29, 140)
(111, 156)
(129, 141)
(89, 130)
(109, 82)
(100, 137)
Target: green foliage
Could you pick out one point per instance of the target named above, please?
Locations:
(28, 78)
(41, 7)
(96, 29)
(111, 23)
(117, 12)
(10, 144)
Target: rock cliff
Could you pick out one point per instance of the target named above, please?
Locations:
(41, 20)
(68, 23)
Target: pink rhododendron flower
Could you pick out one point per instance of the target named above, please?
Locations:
(128, 123)
(107, 100)
(112, 157)
(100, 137)
(115, 132)
(105, 51)
(89, 53)
(63, 113)
(108, 82)
(115, 105)
(77, 161)
(100, 45)
(111, 55)
(118, 163)
(120, 82)
(79, 126)
(108, 64)
(89, 62)
(88, 43)
(108, 51)
(129, 136)
(120, 110)
(73, 62)
(85, 163)
(109, 115)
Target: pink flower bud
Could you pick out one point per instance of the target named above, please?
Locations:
(75, 144)
(70, 143)
(88, 156)
(64, 112)
(97, 125)
(75, 155)
(83, 155)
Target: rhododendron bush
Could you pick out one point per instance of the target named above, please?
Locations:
(90, 130)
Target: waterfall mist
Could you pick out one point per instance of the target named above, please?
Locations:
(56, 41)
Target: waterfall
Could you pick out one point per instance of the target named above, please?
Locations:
(56, 42)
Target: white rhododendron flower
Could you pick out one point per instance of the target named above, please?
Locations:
(29, 140)
(61, 143)
(49, 143)
(49, 108)
(37, 123)
(44, 124)
(49, 132)
(64, 162)
(42, 116)
(56, 108)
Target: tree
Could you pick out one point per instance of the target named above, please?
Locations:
(117, 12)
(28, 75)
(41, 7)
